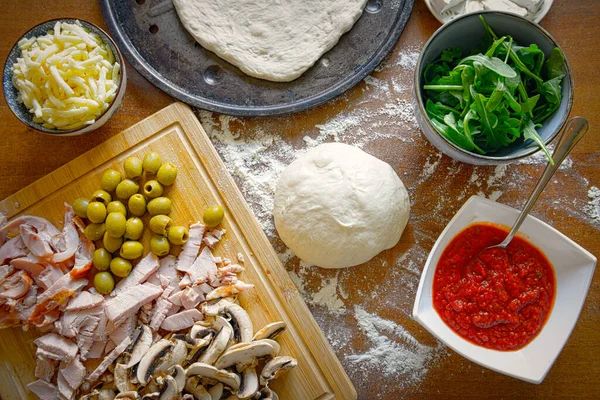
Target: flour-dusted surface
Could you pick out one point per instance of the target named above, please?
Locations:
(273, 40)
(365, 311)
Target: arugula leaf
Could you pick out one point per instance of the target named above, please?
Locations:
(529, 104)
(488, 120)
(555, 64)
(471, 116)
(467, 77)
(496, 96)
(452, 135)
(529, 132)
(519, 64)
(451, 54)
(493, 63)
(532, 57)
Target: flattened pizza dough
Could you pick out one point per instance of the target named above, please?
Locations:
(277, 40)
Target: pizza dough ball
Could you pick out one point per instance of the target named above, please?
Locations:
(337, 206)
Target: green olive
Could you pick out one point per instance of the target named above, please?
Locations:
(133, 167)
(110, 180)
(167, 173)
(137, 205)
(115, 224)
(213, 216)
(120, 267)
(159, 205)
(134, 228)
(110, 243)
(178, 234)
(96, 212)
(131, 250)
(152, 162)
(94, 231)
(101, 259)
(126, 189)
(102, 196)
(160, 245)
(116, 206)
(160, 223)
(80, 206)
(153, 189)
(104, 282)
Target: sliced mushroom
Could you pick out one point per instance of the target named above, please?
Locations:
(215, 307)
(244, 356)
(129, 395)
(248, 383)
(220, 322)
(140, 346)
(195, 387)
(200, 330)
(275, 368)
(177, 372)
(189, 341)
(106, 394)
(208, 372)
(169, 391)
(217, 347)
(270, 331)
(216, 391)
(151, 359)
(240, 321)
(176, 355)
(122, 382)
(151, 396)
(266, 393)
(196, 351)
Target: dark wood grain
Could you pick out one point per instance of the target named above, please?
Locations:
(26, 156)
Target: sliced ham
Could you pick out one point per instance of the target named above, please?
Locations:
(6, 271)
(146, 267)
(125, 330)
(2, 223)
(56, 295)
(43, 390)
(64, 390)
(164, 307)
(167, 270)
(45, 368)
(73, 373)
(129, 302)
(182, 320)
(229, 290)
(38, 242)
(210, 241)
(56, 347)
(84, 300)
(30, 264)
(83, 259)
(40, 224)
(185, 282)
(190, 249)
(190, 297)
(116, 352)
(70, 237)
(96, 350)
(14, 248)
(49, 276)
(85, 337)
(204, 268)
(15, 286)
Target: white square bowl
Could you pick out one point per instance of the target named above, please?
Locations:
(573, 267)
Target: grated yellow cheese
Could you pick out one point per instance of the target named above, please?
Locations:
(66, 78)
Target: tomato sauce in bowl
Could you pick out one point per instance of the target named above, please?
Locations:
(497, 298)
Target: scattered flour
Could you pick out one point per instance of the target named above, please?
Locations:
(592, 208)
(394, 351)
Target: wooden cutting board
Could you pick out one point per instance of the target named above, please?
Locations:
(203, 180)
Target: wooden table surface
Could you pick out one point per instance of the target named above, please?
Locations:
(438, 187)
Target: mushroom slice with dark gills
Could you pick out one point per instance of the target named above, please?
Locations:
(215, 307)
(196, 351)
(248, 383)
(275, 368)
(178, 373)
(176, 356)
(270, 331)
(266, 393)
(201, 329)
(153, 357)
(169, 391)
(210, 375)
(240, 321)
(247, 355)
(220, 322)
(217, 346)
(140, 346)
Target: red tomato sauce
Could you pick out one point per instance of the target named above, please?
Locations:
(498, 298)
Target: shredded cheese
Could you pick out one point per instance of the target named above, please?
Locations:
(66, 78)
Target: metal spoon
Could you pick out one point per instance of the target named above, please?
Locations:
(576, 128)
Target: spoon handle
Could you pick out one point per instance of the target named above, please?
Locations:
(576, 128)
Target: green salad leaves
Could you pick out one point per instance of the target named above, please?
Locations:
(490, 100)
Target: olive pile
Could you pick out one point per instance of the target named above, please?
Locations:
(117, 223)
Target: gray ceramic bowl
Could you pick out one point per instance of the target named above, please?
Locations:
(466, 32)
(23, 114)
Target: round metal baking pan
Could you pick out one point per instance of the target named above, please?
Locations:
(155, 42)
